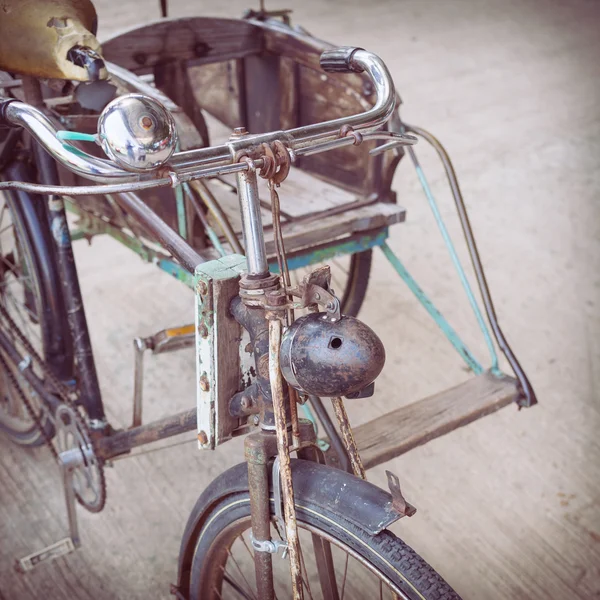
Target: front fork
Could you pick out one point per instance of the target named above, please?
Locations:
(260, 288)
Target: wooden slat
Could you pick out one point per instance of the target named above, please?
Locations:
(403, 429)
(183, 39)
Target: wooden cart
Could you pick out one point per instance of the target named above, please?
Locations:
(262, 74)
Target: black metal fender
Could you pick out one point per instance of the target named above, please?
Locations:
(362, 503)
(31, 211)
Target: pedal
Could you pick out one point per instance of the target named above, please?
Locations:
(56, 550)
(70, 460)
(167, 340)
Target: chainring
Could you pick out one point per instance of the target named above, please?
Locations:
(89, 483)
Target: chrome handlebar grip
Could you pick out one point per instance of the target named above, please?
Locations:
(376, 116)
(339, 60)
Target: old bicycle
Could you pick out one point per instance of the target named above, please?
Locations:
(245, 332)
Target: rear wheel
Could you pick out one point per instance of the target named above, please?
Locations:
(360, 565)
(22, 299)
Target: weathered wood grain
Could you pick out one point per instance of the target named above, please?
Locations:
(183, 39)
(405, 428)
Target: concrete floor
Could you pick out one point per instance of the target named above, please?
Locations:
(508, 507)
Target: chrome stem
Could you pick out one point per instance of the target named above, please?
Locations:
(252, 228)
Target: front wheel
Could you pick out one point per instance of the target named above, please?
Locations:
(339, 560)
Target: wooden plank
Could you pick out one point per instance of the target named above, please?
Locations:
(261, 84)
(304, 235)
(218, 337)
(182, 39)
(218, 89)
(401, 430)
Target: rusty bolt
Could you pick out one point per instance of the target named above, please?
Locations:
(202, 288)
(276, 298)
(202, 437)
(203, 330)
(204, 385)
(240, 131)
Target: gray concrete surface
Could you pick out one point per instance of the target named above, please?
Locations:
(508, 507)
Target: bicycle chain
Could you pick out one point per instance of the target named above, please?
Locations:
(63, 394)
(34, 417)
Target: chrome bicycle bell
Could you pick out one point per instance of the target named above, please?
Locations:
(324, 358)
(137, 132)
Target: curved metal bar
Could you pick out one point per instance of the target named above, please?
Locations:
(41, 128)
(375, 117)
(529, 398)
(84, 190)
(97, 169)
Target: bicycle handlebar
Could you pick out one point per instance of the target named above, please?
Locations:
(205, 162)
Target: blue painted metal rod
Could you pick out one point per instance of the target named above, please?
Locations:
(435, 314)
(457, 264)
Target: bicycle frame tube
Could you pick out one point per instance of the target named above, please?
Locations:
(67, 271)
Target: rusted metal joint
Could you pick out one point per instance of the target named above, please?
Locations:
(348, 131)
(253, 291)
(276, 162)
(246, 402)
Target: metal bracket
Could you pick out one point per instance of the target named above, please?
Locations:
(270, 546)
(70, 461)
(399, 503)
(273, 546)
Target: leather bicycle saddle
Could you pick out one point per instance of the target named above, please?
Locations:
(53, 39)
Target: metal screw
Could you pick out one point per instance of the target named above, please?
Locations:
(202, 437)
(240, 131)
(330, 306)
(256, 419)
(245, 402)
(202, 288)
(204, 385)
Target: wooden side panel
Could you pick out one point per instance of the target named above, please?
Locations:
(201, 39)
(323, 97)
(218, 88)
(263, 93)
(218, 337)
(403, 429)
(288, 84)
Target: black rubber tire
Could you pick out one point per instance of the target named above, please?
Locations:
(388, 554)
(356, 287)
(32, 436)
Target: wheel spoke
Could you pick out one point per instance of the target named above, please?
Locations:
(340, 267)
(239, 569)
(345, 574)
(325, 567)
(305, 582)
(236, 587)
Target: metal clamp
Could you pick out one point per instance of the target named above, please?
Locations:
(270, 546)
